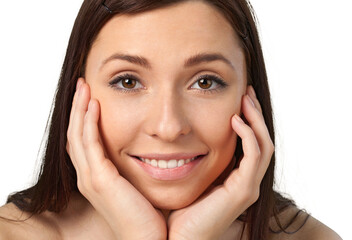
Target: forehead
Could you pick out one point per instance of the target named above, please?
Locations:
(189, 27)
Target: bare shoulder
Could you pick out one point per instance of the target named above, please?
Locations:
(8, 215)
(16, 224)
(317, 230)
(304, 227)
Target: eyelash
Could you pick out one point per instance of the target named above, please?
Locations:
(222, 84)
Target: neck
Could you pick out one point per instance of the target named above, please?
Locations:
(79, 213)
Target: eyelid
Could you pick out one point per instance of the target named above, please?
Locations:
(221, 83)
(218, 80)
(118, 79)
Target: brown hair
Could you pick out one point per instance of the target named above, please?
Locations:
(57, 177)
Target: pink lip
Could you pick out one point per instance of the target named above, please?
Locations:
(169, 174)
(177, 156)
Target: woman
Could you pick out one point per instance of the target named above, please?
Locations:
(162, 129)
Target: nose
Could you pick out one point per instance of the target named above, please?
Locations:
(166, 117)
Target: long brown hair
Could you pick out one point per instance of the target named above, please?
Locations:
(57, 177)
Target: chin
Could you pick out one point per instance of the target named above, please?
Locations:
(170, 200)
(171, 205)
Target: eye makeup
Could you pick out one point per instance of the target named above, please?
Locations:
(119, 83)
(221, 84)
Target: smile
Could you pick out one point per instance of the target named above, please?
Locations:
(170, 169)
(167, 163)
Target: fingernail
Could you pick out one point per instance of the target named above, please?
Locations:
(250, 100)
(78, 84)
(238, 118)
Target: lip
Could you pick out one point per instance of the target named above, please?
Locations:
(167, 174)
(177, 156)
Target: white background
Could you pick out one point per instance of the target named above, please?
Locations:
(307, 46)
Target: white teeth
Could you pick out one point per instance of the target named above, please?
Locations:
(180, 163)
(167, 164)
(154, 163)
(162, 164)
(172, 163)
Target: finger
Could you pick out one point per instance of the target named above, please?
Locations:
(74, 101)
(91, 139)
(69, 129)
(252, 94)
(251, 150)
(78, 86)
(257, 123)
(76, 128)
(80, 108)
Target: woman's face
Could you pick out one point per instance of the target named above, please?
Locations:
(156, 75)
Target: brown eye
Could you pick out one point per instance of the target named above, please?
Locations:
(209, 84)
(205, 83)
(129, 83)
(126, 83)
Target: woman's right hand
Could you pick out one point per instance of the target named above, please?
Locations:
(129, 214)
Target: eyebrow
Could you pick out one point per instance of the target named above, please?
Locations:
(192, 61)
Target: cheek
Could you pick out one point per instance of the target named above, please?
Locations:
(212, 125)
(212, 120)
(118, 125)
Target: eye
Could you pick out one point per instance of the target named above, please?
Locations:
(205, 83)
(126, 83)
(209, 83)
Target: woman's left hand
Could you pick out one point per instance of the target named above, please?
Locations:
(213, 213)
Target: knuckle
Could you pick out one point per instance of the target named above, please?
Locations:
(71, 137)
(81, 186)
(97, 184)
(97, 187)
(269, 148)
(82, 183)
(247, 194)
(251, 194)
(69, 133)
(246, 197)
(272, 147)
(255, 195)
(68, 148)
(271, 151)
(73, 141)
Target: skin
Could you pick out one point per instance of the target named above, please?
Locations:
(122, 202)
(160, 117)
